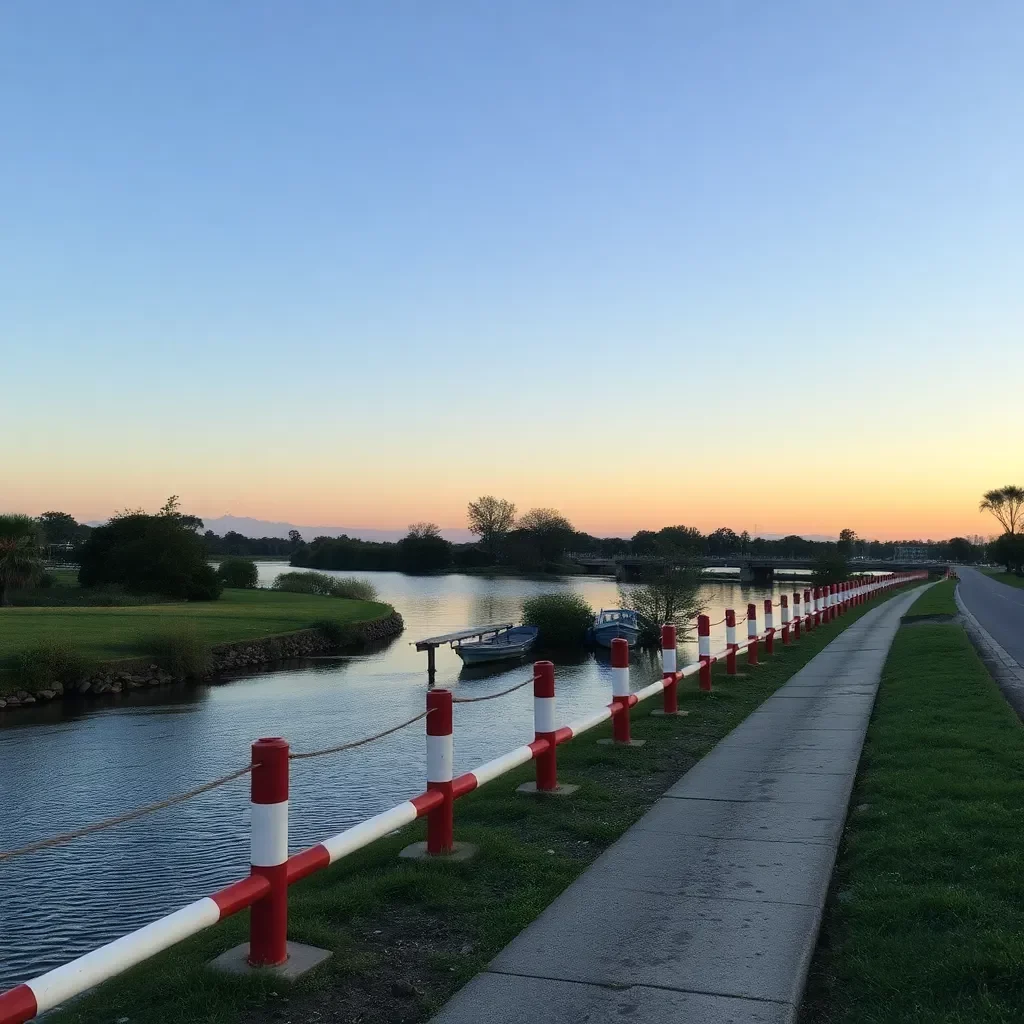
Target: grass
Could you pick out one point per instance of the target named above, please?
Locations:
(1009, 578)
(937, 600)
(106, 634)
(925, 922)
(406, 935)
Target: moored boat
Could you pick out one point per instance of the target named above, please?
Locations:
(616, 624)
(505, 645)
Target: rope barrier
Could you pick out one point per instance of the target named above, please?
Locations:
(491, 696)
(119, 819)
(357, 743)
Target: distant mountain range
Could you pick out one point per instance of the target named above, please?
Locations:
(264, 528)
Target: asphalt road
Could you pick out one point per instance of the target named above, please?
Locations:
(998, 607)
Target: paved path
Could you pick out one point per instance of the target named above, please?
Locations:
(998, 607)
(707, 910)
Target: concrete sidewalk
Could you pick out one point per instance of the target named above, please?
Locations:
(707, 910)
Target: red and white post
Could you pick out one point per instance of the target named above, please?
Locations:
(544, 726)
(730, 642)
(769, 627)
(668, 670)
(704, 651)
(620, 691)
(808, 610)
(796, 614)
(785, 619)
(268, 857)
(751, 634)
(817, 606)
(440, 758)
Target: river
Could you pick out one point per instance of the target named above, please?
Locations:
(64, 767)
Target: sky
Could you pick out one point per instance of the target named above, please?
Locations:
(722, 263)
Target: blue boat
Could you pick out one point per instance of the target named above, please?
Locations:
(505, 645)
(615, 624)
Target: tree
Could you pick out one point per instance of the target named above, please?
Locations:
(19, 554)
(847, 540)
(548, 531)
(1008, 550)
(960, 549)
(670, 597)
(1006, 504)
(150, 554)
(491, 519)
(294, 538)
(58, 527)
(831, 566)
(423, 549)
(723, 541)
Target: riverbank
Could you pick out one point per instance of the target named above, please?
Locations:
(406, 935)
(104, 649)
(926, 914)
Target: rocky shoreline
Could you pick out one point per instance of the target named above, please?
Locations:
(141, 674)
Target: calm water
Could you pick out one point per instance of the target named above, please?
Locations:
(61, 770)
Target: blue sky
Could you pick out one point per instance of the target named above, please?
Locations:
(361, 262)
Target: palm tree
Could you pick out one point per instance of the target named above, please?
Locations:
(19, 554)
(1006, 504)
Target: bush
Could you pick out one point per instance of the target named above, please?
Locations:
(325, 586)
(181, 651)
(670, 597)
(145, 554)
(333, 630)
(563, 619)
(51, 661)
(239, 573)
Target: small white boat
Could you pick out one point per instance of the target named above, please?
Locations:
(616, 624)
(505, 645)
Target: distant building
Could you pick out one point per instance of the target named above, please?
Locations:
(911, 554)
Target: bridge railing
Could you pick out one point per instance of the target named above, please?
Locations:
(272, 870)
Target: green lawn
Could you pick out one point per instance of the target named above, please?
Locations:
(103, 634)
(937, 600)
(1009, 578)
(925, 922)
(406, 935)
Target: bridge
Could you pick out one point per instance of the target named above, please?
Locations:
(751, 568)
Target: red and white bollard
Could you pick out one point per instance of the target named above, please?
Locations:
(668, 670)
(796, 614)
(817, 606)
(808, 610)
(704, 651)
(620, 691)
(544, 726)
(268, 919)
(751, 634)
(730, 642)
(769, 627)
(785, 619)
(833, 594)
(440, 758)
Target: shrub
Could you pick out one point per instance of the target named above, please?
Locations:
(239, 573)
(160, 554)
(333, 630)
(669, 597)
(181, 651)
(50, 661)
(563, 619)
(325, 586)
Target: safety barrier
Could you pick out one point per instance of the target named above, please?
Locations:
(272, 870)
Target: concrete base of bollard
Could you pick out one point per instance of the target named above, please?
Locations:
(301, 958)
(460, 852)
(562, 789)
(609, 742)
(662, 713)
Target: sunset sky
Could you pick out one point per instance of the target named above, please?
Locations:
(724, 263)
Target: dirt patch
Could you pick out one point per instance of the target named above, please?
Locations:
(922, 620)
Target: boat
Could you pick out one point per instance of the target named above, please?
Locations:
(615, 624)
(507, 644)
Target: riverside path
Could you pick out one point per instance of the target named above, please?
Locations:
(707, 910)
(998, 607)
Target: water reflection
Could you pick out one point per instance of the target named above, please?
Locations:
(64, 766)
